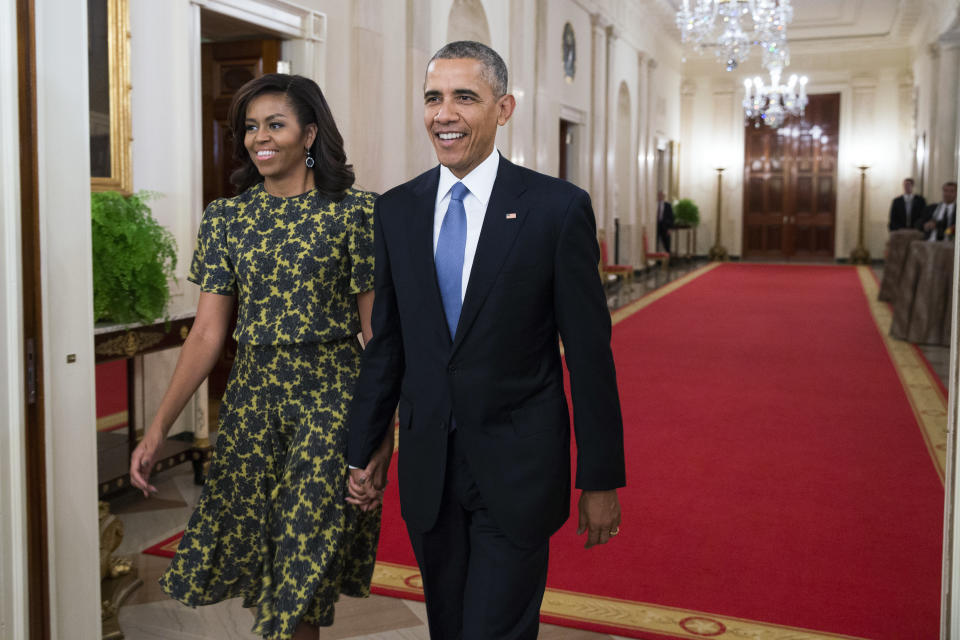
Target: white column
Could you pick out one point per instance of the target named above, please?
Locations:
(598, 125)
(67, 302)
(688, 92)
(864, 127)
(610, 146)
(13, 512)
(366, 104)
(642, 169)
(724, 99)
(523, 80)
(944, 135)
(907, 107)
(649, 151)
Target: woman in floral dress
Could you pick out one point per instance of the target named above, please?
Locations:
(295, 251)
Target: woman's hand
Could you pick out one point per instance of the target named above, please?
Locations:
(142, 461)
(365, 486)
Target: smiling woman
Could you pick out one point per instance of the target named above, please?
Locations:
(294, 251)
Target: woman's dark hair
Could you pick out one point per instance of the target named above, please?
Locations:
(331, 173)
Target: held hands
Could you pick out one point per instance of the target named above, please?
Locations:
(141, 463)
(365, 486)
(599, 516)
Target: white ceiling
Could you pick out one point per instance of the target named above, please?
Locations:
(817, 19)
(841, 24)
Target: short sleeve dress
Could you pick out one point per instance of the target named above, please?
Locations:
(272, 525)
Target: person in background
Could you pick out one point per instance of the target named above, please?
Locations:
(482, 267)
(664, 221)
(907, 210)
(295, 251)
(940, 218)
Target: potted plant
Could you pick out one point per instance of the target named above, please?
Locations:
(133, 258)
(686, 213)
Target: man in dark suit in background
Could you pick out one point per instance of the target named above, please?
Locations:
(941, 216)
(664, 221)
(481, 265)
(907, 211)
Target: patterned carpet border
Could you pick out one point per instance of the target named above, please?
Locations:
(921, 388)
(612, 615)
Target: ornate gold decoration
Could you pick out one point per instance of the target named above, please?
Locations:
(926, 399)
(860, 255)
(718, 252)
(106, 423)
(118, 578)
(184, 332)
(118, 43)
(129, 344)
(623, 614)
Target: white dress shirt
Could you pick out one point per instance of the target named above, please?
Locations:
(942, 212)
(908, 205)
(480, 183)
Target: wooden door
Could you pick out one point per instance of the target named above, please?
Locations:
(227, 66)
(790, 185)
(38, 563)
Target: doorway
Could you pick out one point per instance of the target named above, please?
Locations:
(569, 151)
(790, 185)
(233, 52)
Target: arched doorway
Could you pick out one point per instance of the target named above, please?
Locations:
(468, 21)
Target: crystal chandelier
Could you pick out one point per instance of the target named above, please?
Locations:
(720, 25)
(772, 104)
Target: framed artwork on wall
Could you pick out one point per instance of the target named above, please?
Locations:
(109, 75)
(569, 53)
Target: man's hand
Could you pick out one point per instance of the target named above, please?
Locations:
(365, 486)
(930, 225)
(599, 516)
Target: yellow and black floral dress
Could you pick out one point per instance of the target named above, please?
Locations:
(272, 524)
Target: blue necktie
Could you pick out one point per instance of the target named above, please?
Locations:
(449, 257)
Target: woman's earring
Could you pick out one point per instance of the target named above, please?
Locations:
(309, 161)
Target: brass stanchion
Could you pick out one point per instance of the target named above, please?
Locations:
(860, 255)
(718, 252)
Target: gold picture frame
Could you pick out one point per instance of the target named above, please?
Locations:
(110, 132)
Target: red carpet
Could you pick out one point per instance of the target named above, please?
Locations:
(165, 549)
(778, 479)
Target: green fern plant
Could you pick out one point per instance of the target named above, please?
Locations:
(687, 212)
(133, 257)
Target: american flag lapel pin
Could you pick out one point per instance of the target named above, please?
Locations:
(511, 216)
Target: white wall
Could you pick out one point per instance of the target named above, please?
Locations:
(13, 548)
(875, 128)
(67, 301)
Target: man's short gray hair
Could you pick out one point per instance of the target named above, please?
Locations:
(494, 68)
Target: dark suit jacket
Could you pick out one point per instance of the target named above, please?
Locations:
(666, 223)
(534, 277)
(898, 213)
(948, 221)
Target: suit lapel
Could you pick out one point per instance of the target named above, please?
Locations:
(421, 248)
(505, 215)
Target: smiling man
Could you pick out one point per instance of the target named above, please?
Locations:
(481, 268)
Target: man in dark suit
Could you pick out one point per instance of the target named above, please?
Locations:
(941, 216)
(907, 211)
(481, 266)
(664, 221)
